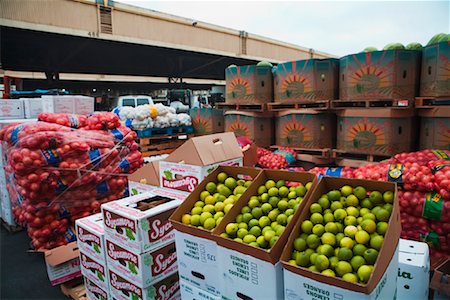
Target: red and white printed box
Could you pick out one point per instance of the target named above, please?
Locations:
(165, 289)
(58, 104)
(83, 105)
(11, 109)
(63, 263)
(141, 223)
(142, 269)
(93, 270)
(94, 292)
(91, 236)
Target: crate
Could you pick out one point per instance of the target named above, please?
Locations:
(158, 145)
(306, 80)
(74, 289)
(355, 160)
(207, 120)
(170, 131)
(252, 84)
(435, 128)
(305, 128)
(317, 105)
(255, 126)
(376, 131)
(244, 107)
(427, 102)
(395, 103)
(435, 75)
(387, 74)
(315, 156)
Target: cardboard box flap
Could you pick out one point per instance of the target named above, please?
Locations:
(62, 254)
(207, 150)
(147, 174)
(441, 278)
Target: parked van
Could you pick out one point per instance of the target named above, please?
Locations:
(131, 100)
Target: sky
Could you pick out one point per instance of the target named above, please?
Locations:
(335, 27)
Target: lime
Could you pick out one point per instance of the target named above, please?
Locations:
(211, 187)
(282, 205)
(218, 220)
(315, 208)
(227, 208)
(219, 206)
(370, 255)
(313, 268)
(376, 242)
(283, 191)
(255, 231)
(246, 217)
(209, 223)
(308, 186)
(334, 195)
(382, 215)
(357, 261)
(313, 241)
(264, 221)
(239, 190)
(300, 191)
(389, 207)
(209, 208)
(339, 237)
(347, 242)
(289, 218)
(253, 223)
(350, 277)
(343, 267)
(292, 203)
(274, 201)
(289, 212)
(267, 228)
(312, 258)
(360, 192)
(266, 208)
(224, 235)
(321, 262)
(317, 218)
(245, 210)
(273, 241)
(280, 229)
(195, 220)
(282, 219)
(231, 229)
(262, 189)
(326, 250)
(346, 190)
(318, 229)
(307, 226)
(350, 220)
(351, 200)
(369, 216)
(369, 226)
(204, 216)
(292, 195)
(366, 204)
(339, 214)
(249, 239)
(257, 212)
(336, 205)
(299, 244)
(328, 217)
(362, 237)
(352, 211)
(329, 272)
(273, 191)
(359, 220)
(196, 210)
(382, 228)
(350, 231)
(339, 226)
(359, 249)
(221, 177)
(303, 259)
(224, 190)
(333, 261)
(376, 198)
(238, 240)
(328, 238)
(345, 254)
(262, 242)
(203, 195)
(363, 211)
(364, 273)
(243, 225)
(331, 227)
(253, 203)
(186, 219)
(268, 235)
(199, 204)
(388, 197)
(230, 183)
(264, 198)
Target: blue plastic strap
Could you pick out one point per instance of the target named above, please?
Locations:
(118, 135)
(126, 193)
(334, 172)
(15, 134)
(19, 199)
(287, 155)
(102, 188)
(51, 157)
(129, 123)
(70, 235)
(124, 165)
(61, 187)
(63, 212)
(117, 111)
(94, 155)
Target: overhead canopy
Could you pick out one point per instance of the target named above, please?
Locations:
(28, 50)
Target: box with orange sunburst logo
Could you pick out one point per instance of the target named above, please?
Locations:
(251, 84)
(207, 120)
(305, 128)
(378, 75)
(381, 131)
(306, 80)
(258, 127)
(435, 128)
(434, 80)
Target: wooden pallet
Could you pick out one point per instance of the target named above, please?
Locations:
(428, 102)
(355, 160)
(162, 132)
(11, 228)
(244, 107)
(393, 103)
(315, 156)
(74, 289)
(318, 105)
(162, 142)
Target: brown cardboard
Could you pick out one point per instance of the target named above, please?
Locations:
(62, 254)
(251, 156)
(272, 255)
(149, 173)
(440, 281)
(434, 128)
(386, 253)
(435, 71)
(194, 196)
(206, 150)
(256, 126)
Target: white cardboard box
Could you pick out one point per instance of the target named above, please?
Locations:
(11, 109)
(141, 231)
(32, 107)
(246, 277)
(83, 105)
(122, 289)
(91, 236)
(413, 270)
(94, 270)
(298, 287)
(94, 292)
(58, 104)
(142, 269)
(198, 264)
(63, 263)
(190, 292)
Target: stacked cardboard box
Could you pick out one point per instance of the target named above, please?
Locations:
(139, 245)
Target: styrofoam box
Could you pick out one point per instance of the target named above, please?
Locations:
(198, 264)
(32, 107)
(11, 109)
(413, 270)
(246, 277)
(83, 105)
(58, 104)
(190, 292)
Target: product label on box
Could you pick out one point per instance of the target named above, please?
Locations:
(129, 262)
(179, 176)
(432, 207)
(64, 272)
(167, 288)
(94, 292)
(93, 242)
(126, 289)
(183, 183)
(164, 260)
(93, 270)
(395, 173)
(121, 224)
(190, 292)
(160, 227)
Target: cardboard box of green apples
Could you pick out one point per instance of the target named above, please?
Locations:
(344, 245)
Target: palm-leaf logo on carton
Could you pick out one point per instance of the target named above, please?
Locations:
(168, 174)
(201, 125)
(366, 135)
(240, 82)
(295, 82)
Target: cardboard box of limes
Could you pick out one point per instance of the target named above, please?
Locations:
(198, 215)
(352, 230)
(252, 235)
